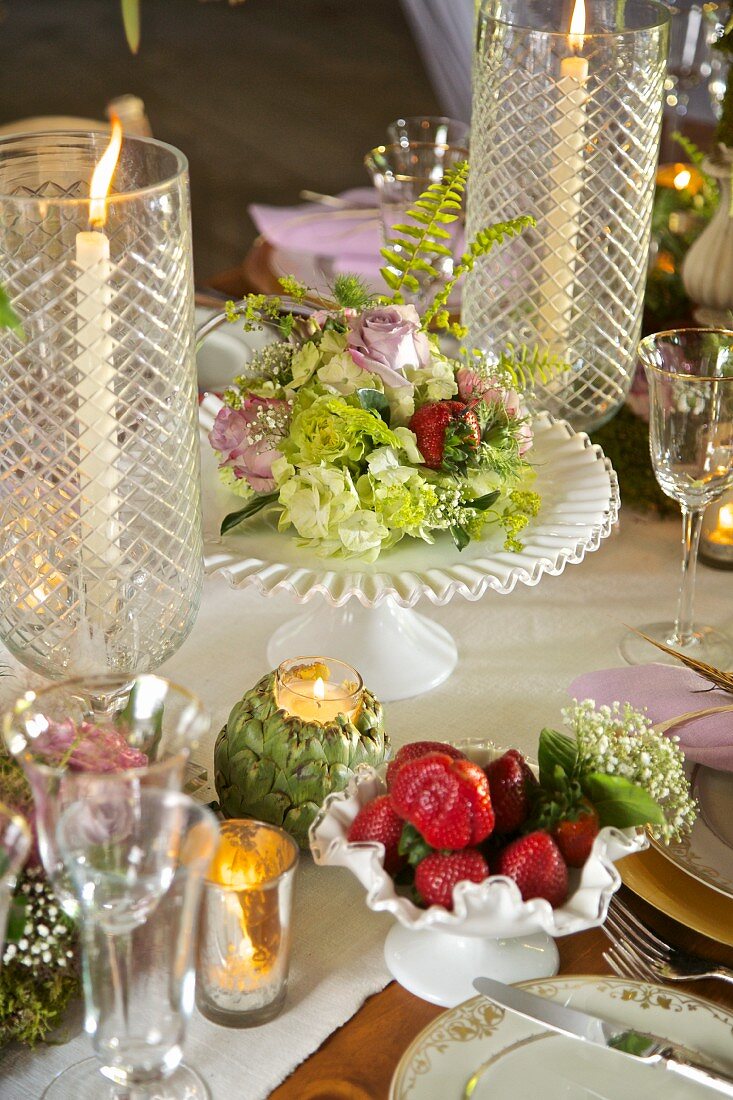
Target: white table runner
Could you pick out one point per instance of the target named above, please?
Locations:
(518, 653)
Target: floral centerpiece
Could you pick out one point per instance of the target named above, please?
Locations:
(360, 429)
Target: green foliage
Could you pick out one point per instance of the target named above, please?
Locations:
(8, 317)
(418, 243)
(524, 367)
(620, 802)
(233, 519)
(131, 23)
(351, 292)
(31, 1007)
(724, 129)
(256, 310)
(481, 245)
(293, 288)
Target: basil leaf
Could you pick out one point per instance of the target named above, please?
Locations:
(460, 536)
(630, 1042)
(131, 23)
(620, 802)
(250, 509)
(17, 918)
(556, 750)
(375, 401)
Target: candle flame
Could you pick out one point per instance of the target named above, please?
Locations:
(319, 690)
(577, 26)
(725, 517)
(682, 179)
(102, 177)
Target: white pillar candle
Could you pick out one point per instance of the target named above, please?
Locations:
(563, 219)
(98, 447)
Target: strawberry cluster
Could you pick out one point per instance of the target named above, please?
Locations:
(446, 820)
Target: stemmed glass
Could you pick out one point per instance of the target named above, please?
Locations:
(690, 376)
(83, 738)
(15, 843)
(401, 172)
(437, 129)
(136, 858)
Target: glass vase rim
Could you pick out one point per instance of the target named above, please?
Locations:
(269, 883)
(112, 199)
(647, 342)
(663, 20)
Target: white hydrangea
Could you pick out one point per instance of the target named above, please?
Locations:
(619, 740)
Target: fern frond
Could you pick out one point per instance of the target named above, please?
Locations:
(524, 367)
(415, 245)
(481, 245)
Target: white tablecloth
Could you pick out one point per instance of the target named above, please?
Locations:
(518, 653)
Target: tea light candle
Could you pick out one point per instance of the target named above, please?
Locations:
(318, 689)
(244, 941)
(716, 539)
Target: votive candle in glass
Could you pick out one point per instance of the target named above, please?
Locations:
(244, 939)
(716, 537)
(318, 689)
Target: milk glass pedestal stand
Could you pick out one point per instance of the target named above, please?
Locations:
(369, 619)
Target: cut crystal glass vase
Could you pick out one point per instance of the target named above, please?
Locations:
(565, 127)
(100, 545)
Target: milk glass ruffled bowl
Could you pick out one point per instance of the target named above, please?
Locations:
(436, 953)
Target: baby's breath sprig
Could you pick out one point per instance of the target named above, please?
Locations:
(619, 740)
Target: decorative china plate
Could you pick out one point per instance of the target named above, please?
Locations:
(675, 893)
(484, 1052)
(706, 854)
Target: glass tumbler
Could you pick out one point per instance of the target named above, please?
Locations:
(137, 860)
(244, 942)
(90, 737)
(436, 129)
(100, 545)
(565, 127)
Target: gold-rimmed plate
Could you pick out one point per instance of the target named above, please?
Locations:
(706, 853)
(660, 883)
(480, 1051)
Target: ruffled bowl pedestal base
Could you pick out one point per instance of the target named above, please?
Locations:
(398, 652)
(441, 967)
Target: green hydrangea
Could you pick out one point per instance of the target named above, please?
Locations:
(325, 428)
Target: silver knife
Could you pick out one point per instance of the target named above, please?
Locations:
(650, 1049)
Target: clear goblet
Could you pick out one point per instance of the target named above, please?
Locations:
(690, 376)
(401, 172)
(15, 843)
(77, 737)
(438, 129)
(137, 859)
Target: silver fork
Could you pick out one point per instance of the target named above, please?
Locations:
(636, 952)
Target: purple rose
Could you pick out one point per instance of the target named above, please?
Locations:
(247, 439)
(86, 748)
(385, 340)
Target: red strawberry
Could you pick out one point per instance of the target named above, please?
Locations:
(574, 836)
(415, 749)
(448, 433)
(437, 874)
(448, 801)
(510, 779)
(536, 865)
(378, 821)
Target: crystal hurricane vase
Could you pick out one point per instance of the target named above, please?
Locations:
(100, 544)
(566, 127)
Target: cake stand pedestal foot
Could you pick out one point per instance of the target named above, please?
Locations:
(440, 967)
(398, 652)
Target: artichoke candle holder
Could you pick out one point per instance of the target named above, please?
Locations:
(298, 735)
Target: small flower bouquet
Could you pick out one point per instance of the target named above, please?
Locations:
(358, 427)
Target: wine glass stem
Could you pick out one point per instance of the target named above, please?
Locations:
(691, 527)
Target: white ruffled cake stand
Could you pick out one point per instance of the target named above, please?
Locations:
(369, 619)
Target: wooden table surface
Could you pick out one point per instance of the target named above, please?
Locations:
(357, 1061)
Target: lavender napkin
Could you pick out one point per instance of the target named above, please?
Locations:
(350, 236)
(667, 691)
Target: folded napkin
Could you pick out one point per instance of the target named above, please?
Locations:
(666, 692)
(350, 236)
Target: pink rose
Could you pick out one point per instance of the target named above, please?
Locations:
(247, 439)
(385, 340)
(472, 387)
